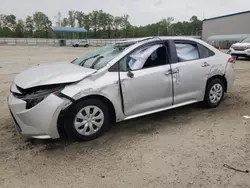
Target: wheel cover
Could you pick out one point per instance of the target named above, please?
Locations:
(215, 93)
(89, 120)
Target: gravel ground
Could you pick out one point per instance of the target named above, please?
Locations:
(184, 147)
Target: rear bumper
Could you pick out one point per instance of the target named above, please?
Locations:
(39, 121)
(230, 76)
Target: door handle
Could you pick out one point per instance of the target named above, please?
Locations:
(175, 71)
(168, 72)
(205, 64)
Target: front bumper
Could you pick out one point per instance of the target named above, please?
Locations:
(39, 121)
(245, 53)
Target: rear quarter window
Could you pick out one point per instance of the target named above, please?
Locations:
(204, 51)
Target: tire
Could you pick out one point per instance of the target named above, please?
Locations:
(213, 100)
(76, 45)
(74, 122)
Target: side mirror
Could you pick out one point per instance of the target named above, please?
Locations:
(130, 74)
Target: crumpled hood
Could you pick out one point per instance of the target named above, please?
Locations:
(55, 73)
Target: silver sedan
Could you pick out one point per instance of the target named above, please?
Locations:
(118, 82)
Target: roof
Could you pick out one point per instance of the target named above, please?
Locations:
(234, 37)
(228, 15)
(68, 29)
(146, 40)
(157, 38)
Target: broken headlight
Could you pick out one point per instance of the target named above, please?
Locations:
(37, 95)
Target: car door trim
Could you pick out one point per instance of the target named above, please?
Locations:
(160, 110)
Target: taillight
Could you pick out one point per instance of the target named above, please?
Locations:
(231, 60)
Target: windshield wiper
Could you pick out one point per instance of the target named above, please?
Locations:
(84, 61)
(96, 61)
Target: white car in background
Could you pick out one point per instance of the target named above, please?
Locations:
(81, 43)
(116, 83)
(240, 49)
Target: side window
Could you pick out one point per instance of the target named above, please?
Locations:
(145, 57)
(186, 51)
(204, 51)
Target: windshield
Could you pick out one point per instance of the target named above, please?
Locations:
(99, 58)
(246, 40)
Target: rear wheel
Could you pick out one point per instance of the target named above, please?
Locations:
(87, 120)
(214, 93)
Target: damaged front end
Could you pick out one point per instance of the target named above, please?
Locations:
(33, 96)
(36, 110)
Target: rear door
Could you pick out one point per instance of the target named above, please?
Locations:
(190, 72)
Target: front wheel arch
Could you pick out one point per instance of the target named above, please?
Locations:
(63, 114)
(107, 102)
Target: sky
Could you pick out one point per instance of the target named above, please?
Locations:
(141, 12)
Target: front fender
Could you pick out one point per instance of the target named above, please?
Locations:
(110, 92)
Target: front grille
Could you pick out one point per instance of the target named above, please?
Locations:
(239, 48)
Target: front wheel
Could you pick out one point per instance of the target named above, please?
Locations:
(214, 93)
(87, 120)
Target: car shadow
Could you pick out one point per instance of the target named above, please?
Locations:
(243, 59)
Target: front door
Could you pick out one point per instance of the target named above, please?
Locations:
(149, 87)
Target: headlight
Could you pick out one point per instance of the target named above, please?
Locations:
(36, 97)
(33, 102)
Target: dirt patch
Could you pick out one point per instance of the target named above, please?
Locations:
(184, 147)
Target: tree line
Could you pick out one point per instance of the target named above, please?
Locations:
(98, 23)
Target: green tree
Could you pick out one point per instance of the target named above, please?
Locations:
(19, 28)
(99, 24)
(42, 24)
(59, 19)
(196, 25)
(71, 18)
(79, 16)
(109, 21)
(87, 22)
(2, 26)
(94, 17)
(1, 20)
(29, 26)
(126, 26)
(117, 24)
(65, 22)
(9, 21)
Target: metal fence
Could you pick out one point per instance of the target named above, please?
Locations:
(54, 42)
